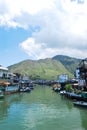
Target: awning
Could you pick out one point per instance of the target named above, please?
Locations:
(4, 83)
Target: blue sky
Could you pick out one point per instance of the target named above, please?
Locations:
(40, 29)
(10, 52)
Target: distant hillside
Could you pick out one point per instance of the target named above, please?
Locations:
(40, 69)
(69, 62)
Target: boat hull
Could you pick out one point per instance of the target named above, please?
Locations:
(80, 104)
(1, 96)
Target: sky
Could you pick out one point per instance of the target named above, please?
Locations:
(38, 29)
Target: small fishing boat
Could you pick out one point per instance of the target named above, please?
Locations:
(25, 89)
(56, 87)
(80, 103)
(62, 92)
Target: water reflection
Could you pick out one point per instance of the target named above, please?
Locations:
(3, 109)
(40, 110)
(6, 103)
(83, 116)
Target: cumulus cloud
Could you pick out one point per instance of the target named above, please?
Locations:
(32, 48)
(59, 26)
(37, 50)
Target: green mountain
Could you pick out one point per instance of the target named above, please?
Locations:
(48, 68)
(70, 63)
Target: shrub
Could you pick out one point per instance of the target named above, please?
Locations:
(68, 87)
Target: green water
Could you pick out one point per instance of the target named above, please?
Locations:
(42, 109)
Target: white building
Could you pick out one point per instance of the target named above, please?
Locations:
(81, 82)
(77, 73)
(3, 72)
(63, 78)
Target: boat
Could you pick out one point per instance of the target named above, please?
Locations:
(84, 95)
(62, 92)
(31, 86)
(56, 87)
(80, 103)
(1, 96)
(78, 97)
(73, 95)
(25, 89)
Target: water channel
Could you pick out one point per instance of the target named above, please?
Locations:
(41, 109)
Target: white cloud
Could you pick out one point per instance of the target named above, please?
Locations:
(40, 50)
(59, 26)
(33, 49)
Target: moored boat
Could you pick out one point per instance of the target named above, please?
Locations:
(80, 103)
(25, 89)
(74, 96)
(56, 87)
(62, 92)
(1, 96)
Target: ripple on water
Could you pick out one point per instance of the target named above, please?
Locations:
(40, 110)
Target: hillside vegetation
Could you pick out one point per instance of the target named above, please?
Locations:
(48, 68)
(69, 62)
